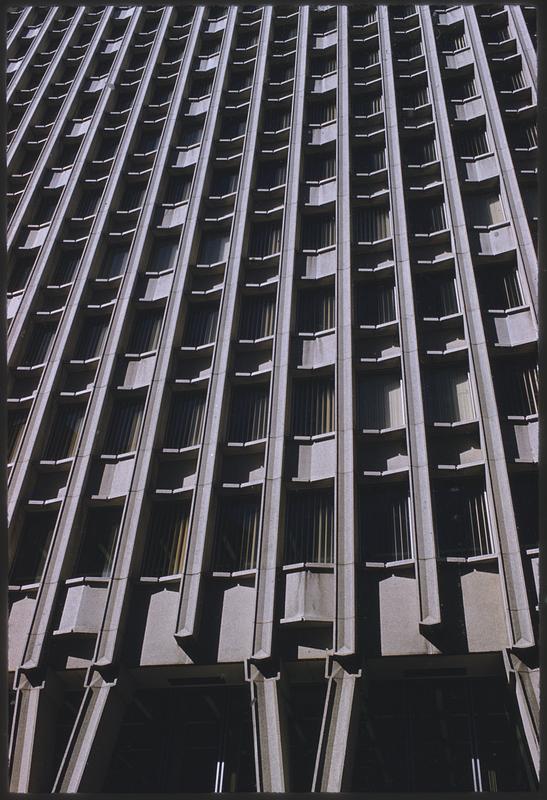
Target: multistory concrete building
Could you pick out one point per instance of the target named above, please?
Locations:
(272, 306)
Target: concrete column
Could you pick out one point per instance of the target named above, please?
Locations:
(38, 99)
(269, 730)
(524, 681)
(202, 523)
(271, 539)
(508, 178)
(38, 39)
(526, 44)
(424, 537)
(333, 768)
(497, 480)
(37, 704)
(14, 35)
(94, 735)
(345, 528)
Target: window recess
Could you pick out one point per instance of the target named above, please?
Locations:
(369, 160)
(167, 539)
(385, 531)
(501, 289)
(38, 345)
(319, 168)
(318, 232)
(380, 402)
(376, 304)
(428, 217)
(518, 386)
(223, 183)
(125, 426)
(462, 520)
(313, 407)
(96, 555)
(309, 527)
(201, 324)
(437, 295)
(115, 263)
(16, 426)
(214, 248)
(265, 240)
(371, 224)
(185, 422)
(316, 310)
(163, 253)
(145, 334)
(271, 174)
(91, 339)
(249, 414)
(236, 533)
(471, 143)
(484, 210)
(33, 546)
(321, 113)
(257, 318)
(65, 433)
(132, 198)
(449, 395)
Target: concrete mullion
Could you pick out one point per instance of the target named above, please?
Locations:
(17, 27)
(51, 372)
(117, 598)
(525, 41)
(267, 707)
(32, 187)
(345, 534)
(31, 51)
(271, 540)
(45, 82)
(497, 480)
(200, 532)
(508, 177)
(424, 536)
(96, 406)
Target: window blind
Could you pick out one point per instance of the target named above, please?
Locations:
(201, 324)
(384, 524)
(380, 402)
(318, 232)
(91, 338)
(437, 296)
(65, 432)
(371, 224)
(115, 262)
(146, 332)
(520, 385)
(450, 398)
(124, 426)
(463, 527)
(265, 240)
(249, 414)
(316, 310)
(313, 407)
(39, 344)
(376, 303)
(166, 540)
(309, 530)
(257, 316)
(99, 540)
(237, 534)
(185, 423)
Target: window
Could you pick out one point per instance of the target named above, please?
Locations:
(462, 89)
(106, 150)
(167, 539)
(524, 136)
(146, 332)
(201, 325)
(233, 127)
(236, 533)
(200, 88)
(519, 388)
(463, 527)
(185, 423)
(313, 407)
(88, 203)
(485, 209)
(449, 395)
(436, 295)
(316, 310)
(376, 303)
(148, 142)
(322, 66)
(368, 104)
(370, 160)
(384, 524)
(320, 169)
(125, 425)
(16, 426)
(224, 182)
(115, 262)
(380, 402)
(472, 143)
(99, 540)
(191, 135)
(249, 414)
(500, 289)
(271, 174)
(163, 253)
(66, 267)
(525, 493)
(21, 268)
(132, 197)
(35, 539)
(366, 58)
(509, 81)
(416, 98)
(428, 217)
(420, 151)
(321, 113)
(265, 240)
(318, 232)
(309, 529)
(45, 211)
(65, 432)
(214, 247)
(178, 189)
(453, 40)
(39, 345)
(277, 120)
(371, 224)
(257, 317)
(91, 338)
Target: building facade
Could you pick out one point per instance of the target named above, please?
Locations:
(272, 401)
